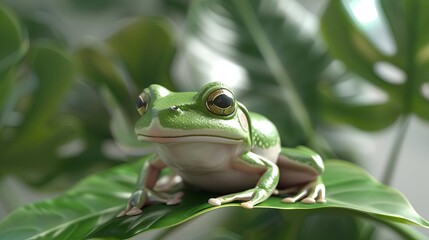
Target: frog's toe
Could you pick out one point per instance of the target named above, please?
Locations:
(133, 211)
(215, 201)
(311, 193)
(317, 194)
(247, 205)
(242, 196)
(308, 200)
(121, 214)
(288, 200)
(295, 198)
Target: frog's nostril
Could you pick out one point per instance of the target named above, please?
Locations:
(176, 109)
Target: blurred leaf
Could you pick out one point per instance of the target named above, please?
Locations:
(218, 234)
(369, 117)
(146, 49)
(326, 226)
(388, 47)
(269, 51)
(406, 231)
(100, 70)
(177, 6)
(21, 160)
(316, 224)
(54, 73)
(41, 27)
(13, 46)
(93, 204)
(6, 85)
(42, 132)
(142, 50)
(94, 5)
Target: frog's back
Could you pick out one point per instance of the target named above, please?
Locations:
(265, 137)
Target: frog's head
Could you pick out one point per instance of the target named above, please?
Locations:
(210, 115)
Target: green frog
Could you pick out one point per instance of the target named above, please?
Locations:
(211, 141)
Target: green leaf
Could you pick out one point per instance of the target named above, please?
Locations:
(269, 51)
(389, 48)
(6, 86)
(91, 206)
(100, 70)
(13, 46)
(146, 49)
(13, 43)
(54, 75)
(315, 224)
(142, 51)
(42, 131)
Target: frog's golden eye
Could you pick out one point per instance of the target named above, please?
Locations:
(221, 102)
(142, 103)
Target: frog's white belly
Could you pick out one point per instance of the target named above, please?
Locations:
(228, 181)
(209, 166)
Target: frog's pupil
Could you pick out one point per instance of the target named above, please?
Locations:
(140, 103)
(223, 101)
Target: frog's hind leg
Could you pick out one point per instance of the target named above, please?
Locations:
(300, 170)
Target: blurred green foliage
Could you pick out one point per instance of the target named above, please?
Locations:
(70, 71)
(402, 53)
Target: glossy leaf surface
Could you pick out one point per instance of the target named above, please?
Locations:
(388, 47)
(96, 200)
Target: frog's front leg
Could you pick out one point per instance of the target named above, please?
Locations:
(300, 170)
(144, 192)
(263, 189)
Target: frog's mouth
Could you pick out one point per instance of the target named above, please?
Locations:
(188, 138)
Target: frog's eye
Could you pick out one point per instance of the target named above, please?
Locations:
(141, 103)
(221, 102)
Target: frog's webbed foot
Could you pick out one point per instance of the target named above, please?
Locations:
(310, 193)
(140, 198)
(250, 198)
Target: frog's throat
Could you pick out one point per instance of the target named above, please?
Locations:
(188, 138)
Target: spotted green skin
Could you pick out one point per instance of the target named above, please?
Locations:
(254, 141)
(268, 137)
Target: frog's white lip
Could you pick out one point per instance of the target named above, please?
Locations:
(188, 138)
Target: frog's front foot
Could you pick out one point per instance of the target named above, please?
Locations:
(140, 198)
(310, 193)
(250, 198)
